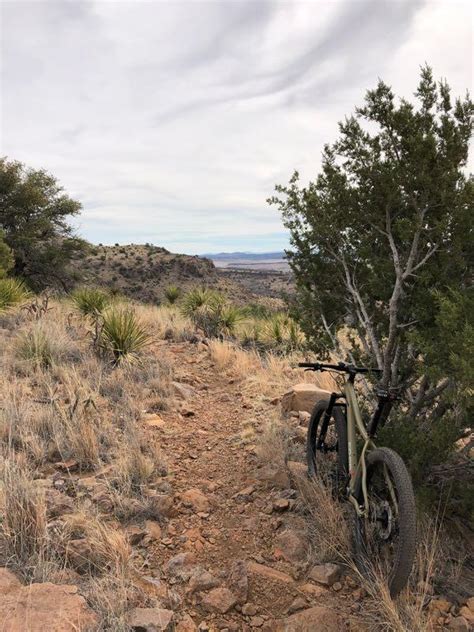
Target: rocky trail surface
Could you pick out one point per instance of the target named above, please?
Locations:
(231, 553)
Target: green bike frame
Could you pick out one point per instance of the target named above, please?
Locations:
(358, 466)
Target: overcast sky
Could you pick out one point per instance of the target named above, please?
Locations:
(172, 121)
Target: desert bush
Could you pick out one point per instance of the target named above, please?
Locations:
(12, 292)
(172, 293)
(122, 334)
(38, 347)
(195, 299)
(211, 312)
(90, 301)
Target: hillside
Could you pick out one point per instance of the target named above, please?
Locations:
(171, 493)
(143, 272)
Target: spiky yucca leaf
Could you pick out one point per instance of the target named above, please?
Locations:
(91, 301)
(172, 294)
(12, 292)
(122, 334)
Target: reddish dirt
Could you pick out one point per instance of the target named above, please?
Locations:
(205, 451)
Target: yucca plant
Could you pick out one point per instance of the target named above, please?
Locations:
(91, 301)
(198, 298)
(172, 294)
(37, 346)
(122, 334)
(12, 292)
(227, 317)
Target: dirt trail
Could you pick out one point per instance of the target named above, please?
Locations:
(229, 515)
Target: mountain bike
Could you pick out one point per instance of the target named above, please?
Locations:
(377, 484)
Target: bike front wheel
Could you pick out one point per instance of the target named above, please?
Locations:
(385, 538)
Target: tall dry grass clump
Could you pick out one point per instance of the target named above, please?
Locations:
(23, 528)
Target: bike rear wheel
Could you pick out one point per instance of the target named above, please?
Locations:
(385, 539)
(326, 446)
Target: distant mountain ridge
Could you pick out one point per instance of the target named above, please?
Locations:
(253, 256)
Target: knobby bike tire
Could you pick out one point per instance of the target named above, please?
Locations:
(405, 549)
(340, 427)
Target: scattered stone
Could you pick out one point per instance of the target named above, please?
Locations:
(195, 499)
(303, 396)
(186, 625)
(154, 421)
(268, 573)
(459, 624)
(318, 618)
(326, 574)
(150, 619)
(58, 503)
(291, 545)
(238, 581)
(249, 609)
(273, 476)
(79, 554)
(256, 622)
(304, 417)
(281, 504)
(135, 534)
(468, 614)
(297, 469)
(182, 391)
(181, 565)
(153, 529)
(314, 591)
(164, 505)
(201, 580)
(298, 604)
(219, 600)
(337, 586)
(40, 607)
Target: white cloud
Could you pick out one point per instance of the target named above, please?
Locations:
(171, 121)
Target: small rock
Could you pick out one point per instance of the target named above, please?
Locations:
(291, 545)
(314, 591)
(186, 625)
(268, 573)
(181, 565)
(316, 619)
(135, 534)
(297, 469)
(201, 580)
(150, 619)
(459, 624)
(281, 504)
(153, 529)
(304, 416)
(182, 391)
(273, 476)
(326, 574)
(298, 604)
(441, 605)
(195, 499)
(337, 586)
(256, 622)
(219, 600)
(8, 581)
(468, 614)
(238, 581)
(249, 609)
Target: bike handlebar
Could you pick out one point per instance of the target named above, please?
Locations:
(340, 366)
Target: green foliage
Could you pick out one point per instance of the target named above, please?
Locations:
(12, 292)
(37, 347)
(211, 312)
(91, 301)
(6, 256)
(34, 214)
(122, 334)
(195, 299)
(172, 293)
(381, 252)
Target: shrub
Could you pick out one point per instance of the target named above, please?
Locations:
(195, 299)
(91, 301)
(172, 294)
(12, 292)
(122, 334)
(38, 347)
(211, 312)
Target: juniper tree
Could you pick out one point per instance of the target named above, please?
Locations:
(381, 247)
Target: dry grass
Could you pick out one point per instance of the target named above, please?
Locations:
(23, 528)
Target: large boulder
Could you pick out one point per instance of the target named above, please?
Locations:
(303, 397)
(40, 607)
